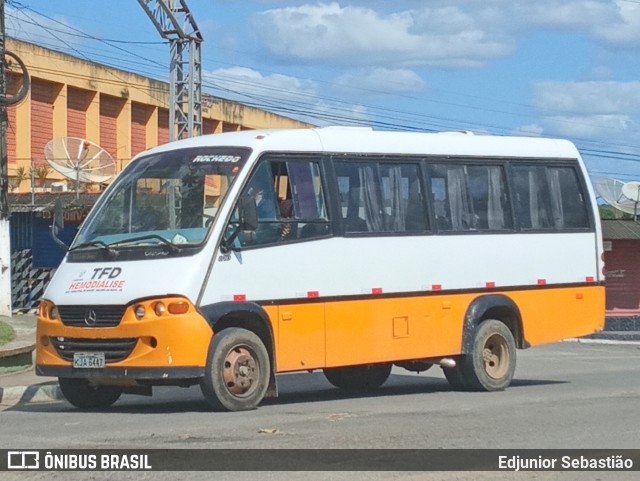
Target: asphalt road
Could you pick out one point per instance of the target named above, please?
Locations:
(566, 395)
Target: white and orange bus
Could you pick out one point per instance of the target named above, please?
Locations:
(226, 259)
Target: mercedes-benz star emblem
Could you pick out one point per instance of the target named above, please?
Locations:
(90, 318)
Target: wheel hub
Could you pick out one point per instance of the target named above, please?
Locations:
(496, 357)
(240, 371)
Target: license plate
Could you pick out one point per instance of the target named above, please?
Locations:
(88, 360)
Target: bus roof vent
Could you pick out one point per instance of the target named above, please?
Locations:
(457, 132)
(347, 127)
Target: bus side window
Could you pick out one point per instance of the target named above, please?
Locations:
(532, 197)
(262, 191)
(488, 191)
(303, 208)
(402, 198)
(382, 197)
(453, 206)
(289, 202)
(567, 200)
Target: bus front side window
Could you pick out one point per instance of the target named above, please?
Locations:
(289, 202)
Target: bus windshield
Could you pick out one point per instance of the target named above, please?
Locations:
(168, 200)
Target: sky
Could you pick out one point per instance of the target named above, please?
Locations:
(550, 68)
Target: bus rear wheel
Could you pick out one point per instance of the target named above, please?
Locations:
(492, 362)
(358, 378)
(237, 372)
(85, 395)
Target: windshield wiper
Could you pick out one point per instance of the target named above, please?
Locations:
(96, 243)
(172, 247)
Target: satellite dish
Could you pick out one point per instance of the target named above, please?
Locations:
(631, 190)
(80, 160)
(623, 196)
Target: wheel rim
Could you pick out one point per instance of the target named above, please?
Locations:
(241, 370)
(496, 357)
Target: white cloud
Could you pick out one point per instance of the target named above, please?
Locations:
(590, 110)
(440, 33)
(612, 127)
(565, 15)
(623, 30)
(249, 84)
(531, 130)
(380, 81)
(594, 97)
(282, 94)
(361, 36)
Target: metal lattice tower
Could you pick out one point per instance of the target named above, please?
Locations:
(174, 21)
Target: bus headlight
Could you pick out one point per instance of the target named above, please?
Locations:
(140, 311)
(159, 308)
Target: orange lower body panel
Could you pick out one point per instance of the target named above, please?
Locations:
(388, 329)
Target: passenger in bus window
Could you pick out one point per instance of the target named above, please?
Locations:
(265, 208)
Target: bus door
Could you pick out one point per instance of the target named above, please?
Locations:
(281, 265)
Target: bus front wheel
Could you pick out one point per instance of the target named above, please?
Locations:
(85, 395)
(490, 365)
(358, 378)
(237, 372)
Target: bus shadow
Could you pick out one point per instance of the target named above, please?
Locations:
(302, 388)
(296, 388)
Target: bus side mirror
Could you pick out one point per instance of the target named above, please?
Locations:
(58, 214)
(248, 213)
(58, 224)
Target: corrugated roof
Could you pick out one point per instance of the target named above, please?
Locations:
(620, 230)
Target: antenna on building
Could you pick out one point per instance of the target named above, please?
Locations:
(80, 160)
(622, 196)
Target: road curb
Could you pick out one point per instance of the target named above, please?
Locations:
(588, 340)
(36, 393)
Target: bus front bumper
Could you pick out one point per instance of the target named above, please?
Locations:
(116, 373)
(161, 347)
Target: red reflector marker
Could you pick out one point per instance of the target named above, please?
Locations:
(589, 279)
(313, 294)
(542, 282)
(376, 290)
(239, 297)
(490, 284)
(436, 287)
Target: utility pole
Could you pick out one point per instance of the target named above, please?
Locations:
(174, 21)
(5, 233)
(5, 247)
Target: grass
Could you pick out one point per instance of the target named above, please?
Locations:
(6, 333)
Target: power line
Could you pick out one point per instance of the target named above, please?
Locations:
(327, 109)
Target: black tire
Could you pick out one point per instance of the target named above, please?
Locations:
(84, 395)
(492, 362)
(237, 371)
(358, 378)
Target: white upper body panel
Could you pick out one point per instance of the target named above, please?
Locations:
(344, 266)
